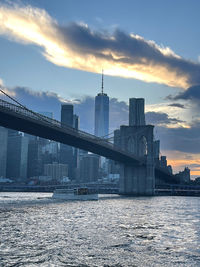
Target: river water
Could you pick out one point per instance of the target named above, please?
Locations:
(114, 231)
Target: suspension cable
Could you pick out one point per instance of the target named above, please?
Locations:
(12, 98)
(24, 107)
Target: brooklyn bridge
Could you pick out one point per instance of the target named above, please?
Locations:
(135, 153)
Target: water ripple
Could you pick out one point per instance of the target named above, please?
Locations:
(160, 231)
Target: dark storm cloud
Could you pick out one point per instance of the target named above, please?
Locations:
(133, 49)
(177, 105)
(192, 93)
(157, 118)
(180, 139)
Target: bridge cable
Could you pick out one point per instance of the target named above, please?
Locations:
(24, 107)
(13, 99)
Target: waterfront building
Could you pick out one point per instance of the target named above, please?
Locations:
(67, 114)
(101, 113)
(163, 162)
(35, 162)
(75, 150)
(169, 168)
(136, 112)
(47, 114)
(66, 152)
(184, 176)
(43, 141)
(3, 151)
(81, 154)
(30, 137)
(17, 156)
(56, 170)
(156, 152)
(52, 148)
(113, 167)
(89, 168)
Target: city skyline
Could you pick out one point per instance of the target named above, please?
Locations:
(173, 109)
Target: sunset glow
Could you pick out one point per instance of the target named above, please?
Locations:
(34, 26)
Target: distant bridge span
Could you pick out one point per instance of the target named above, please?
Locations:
(22, 119)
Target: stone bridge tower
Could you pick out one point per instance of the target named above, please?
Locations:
(137, 138)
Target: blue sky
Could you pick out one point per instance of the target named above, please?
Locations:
(168, 44)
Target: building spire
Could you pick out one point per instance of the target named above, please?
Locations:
(102, 83)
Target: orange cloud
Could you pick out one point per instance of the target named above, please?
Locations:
(195, 173)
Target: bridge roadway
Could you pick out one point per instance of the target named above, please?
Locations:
(22, 119)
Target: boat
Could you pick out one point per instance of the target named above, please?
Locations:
(75, 194)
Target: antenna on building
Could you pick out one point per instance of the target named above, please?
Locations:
(102, 83)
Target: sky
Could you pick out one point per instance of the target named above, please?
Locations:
(54, 51)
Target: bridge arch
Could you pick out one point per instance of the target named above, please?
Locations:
(131, 145)
(143, 146)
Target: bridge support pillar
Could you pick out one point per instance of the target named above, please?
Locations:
(137, 180)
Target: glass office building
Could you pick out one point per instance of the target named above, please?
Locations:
(101, 114)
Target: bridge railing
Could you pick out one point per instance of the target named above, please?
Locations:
(55, 123)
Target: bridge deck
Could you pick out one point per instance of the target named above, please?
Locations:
(22, 119)
(18, 118)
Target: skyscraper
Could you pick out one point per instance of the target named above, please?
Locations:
(101, 113)
(89, 168)
(17, 155)
(3, 151)
(67, 114)
(136, 112)
(76, 150)
(56, 171)
(67, 152)
(48, 114)
(35, 164)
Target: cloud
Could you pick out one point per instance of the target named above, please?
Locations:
(118, 113)
(180, 139)
(77, 46)
(195, 165)
(1, 82)
(192, 93)
(158, 118)
(36, 101)
(192, 97)
(177, 105)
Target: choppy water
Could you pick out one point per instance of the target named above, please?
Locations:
(158, 231)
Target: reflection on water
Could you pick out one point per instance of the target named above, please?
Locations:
(38, 231)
